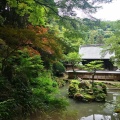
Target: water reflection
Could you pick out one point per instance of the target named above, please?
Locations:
(106, 110)
(96, 117)
(95, 111)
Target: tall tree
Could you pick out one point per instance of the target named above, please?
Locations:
(112, 45)
(20, 13)
(74, 59)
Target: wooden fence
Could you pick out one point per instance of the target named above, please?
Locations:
(100, 75)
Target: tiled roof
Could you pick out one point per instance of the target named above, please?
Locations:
(93, 52)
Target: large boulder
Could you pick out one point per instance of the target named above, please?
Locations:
(84, 85)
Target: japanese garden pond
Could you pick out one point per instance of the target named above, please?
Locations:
(94, 110)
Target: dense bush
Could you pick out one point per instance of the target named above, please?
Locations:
(28, 89)
(58, 68)
(8, 109)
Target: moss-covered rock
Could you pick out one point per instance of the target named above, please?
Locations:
(73, 88)
(78, 96)
(84, 91)
(84, 84)
(88, 98)
(74, 82)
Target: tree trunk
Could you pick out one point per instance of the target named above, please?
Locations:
(75, 75)
(93, 75)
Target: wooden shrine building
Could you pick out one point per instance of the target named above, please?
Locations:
(94, 52)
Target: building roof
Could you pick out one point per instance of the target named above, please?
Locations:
(93, 52)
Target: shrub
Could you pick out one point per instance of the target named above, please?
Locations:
(31, 87)
(8, 109)
(58, 68)
(100, 97)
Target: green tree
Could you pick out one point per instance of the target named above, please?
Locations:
(30, 87)
(20, 13)
(112, 45)
(93, 66)
(74, 59)
(58, 68)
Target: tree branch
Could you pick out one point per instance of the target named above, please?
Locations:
(48, 6)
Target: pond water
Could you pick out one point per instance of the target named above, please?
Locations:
(94, 111)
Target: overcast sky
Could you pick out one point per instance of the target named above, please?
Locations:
(110, 11)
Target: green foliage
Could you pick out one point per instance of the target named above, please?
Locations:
(60, 82)
(117, 85)
(25, 12)
(25, 84)
(83, 91)
(88, 98)
(1, 20)
(73, 58)
(6, 89)
(100, 97)
(43, 89)
(73, 88)
(22, 6)
(30, 86)
(60, 103)
(112, 45)
(8, 109)
(100, 91)
(36, 16)
(96, 36)
(97, 31)
(58, 68)
(94, 65)
(30, 66)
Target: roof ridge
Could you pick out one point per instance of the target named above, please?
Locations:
(92, 45)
